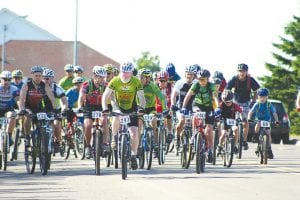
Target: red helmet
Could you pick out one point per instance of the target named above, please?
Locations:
(163, 75)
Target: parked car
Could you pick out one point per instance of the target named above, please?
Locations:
(277, 132)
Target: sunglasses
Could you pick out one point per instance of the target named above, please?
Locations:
(7, 79)
(202, 79)
(18, 78)
(47, 79)
(108, 73)
(69, 71)
(162, 81)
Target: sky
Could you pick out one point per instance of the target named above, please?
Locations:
(215, 34)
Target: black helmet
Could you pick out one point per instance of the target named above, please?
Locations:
(242, 67)
(227, 95)
(219, 75)
(203, 73)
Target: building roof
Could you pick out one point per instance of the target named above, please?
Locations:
(23, 54)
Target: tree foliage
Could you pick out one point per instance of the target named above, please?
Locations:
(283, 81)
(147, 61)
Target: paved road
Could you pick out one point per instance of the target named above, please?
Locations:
(75, 179)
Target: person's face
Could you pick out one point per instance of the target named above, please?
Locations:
(17, 80)
(203, 81)
(145, 80)
(47, 80)
(37, 77)
(77, 74)
(162, 83)
(69, 73)
(262, 99)
(242, 74)
(77, 86)
(5, 82)
(109, 76)
(228, 103)
(98, 79)
(189, 76)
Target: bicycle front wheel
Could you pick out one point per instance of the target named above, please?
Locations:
(4, 150)
(148, 148)
(240, 140)
(216, 141)
(124, 156)
(30, 154)
(200, 153)
(161, 146)
(14, 152)
(98, 143)
(229, 145)
(44, 155)
(265, 149)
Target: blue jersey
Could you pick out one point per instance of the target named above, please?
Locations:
(19, 86)
(72, 96)
(7, 97)
(263, 111)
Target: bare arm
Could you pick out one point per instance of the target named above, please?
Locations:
(22, 98)
(81, 99)
(141, 97)
(187, 98)
(64, 102)
(107, 93)
(173, 97)
(50, 95)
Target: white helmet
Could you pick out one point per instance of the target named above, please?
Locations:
(6, 74)
(48, 73)
(99, 71)
(127, 67)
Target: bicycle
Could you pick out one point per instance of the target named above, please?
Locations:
(161, 138)
(4, 141)
(245, 110)
(41, 138)
(186, 145)
(17, 134)
(73, 135)
(170, 146)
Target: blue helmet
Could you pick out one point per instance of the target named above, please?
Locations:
(263, 92)
(170, 68)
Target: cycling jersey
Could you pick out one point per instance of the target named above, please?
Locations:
(35, 97)
(72, 97)
(242, 92)
(262, 111)
(125, 93)
(93, 94)
(229, 111)
(182, 87)
(19, 86)
(7, 96)
(66, 82)
(204, 95)
(151, 91)
(167, 94)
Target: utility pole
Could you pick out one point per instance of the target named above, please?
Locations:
(75, 40)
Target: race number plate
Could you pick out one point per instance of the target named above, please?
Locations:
(41, 116)
(125, 119)
(265, 124)
(96, 114)
(148, 118)
(3, 120)
(230, 122)
(201, 115)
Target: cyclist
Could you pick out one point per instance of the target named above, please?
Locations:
(73, 93)
(180, 90)
(33, 96)
(173, 75)
(243, 85)
(128, 92)
(227, 109)
(151, 92)
(90, 97)
(17, 76)
(59, 94)
(66, 81)
(220, 82)
(78, 72)
(166, 88)
(262, 110)
(9, 94)
(205, 100)
(109, 72)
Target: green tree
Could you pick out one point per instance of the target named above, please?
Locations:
(147, 61)
(283, 81)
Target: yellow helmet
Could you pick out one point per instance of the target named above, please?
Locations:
(109, 68)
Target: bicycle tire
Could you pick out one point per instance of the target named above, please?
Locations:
(149, 148)
(14, 154)
(215, 144)
(190, 149)
(30, 156)
(5, 150)
(43, 148)
(141, 152)
(97, 157)
(198, 146)
(240, 141)
(79, 142)
(228, 147)
(124, 155)
(109, 156)
(184, 149)
(265, 149)
(161, 146)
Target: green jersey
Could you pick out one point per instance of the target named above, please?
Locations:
(125, 93)
(151, 91)
(204, 95)
(66, 83)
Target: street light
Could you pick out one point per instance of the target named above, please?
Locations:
(5, 27)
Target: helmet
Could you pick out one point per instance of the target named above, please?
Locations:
(242, 67)
(203, 73)
(219, 75)
(78, 68)
(191, 69)
(17, 73)
(127, 67)
(6, 74)
(116, 71)
(99, 71)
(197, 67)
(35, 69)
(48, 73)
(77, 80)
(68, 68)
(227, 95)
(135, 72)
(217, 80)
(163, 75)
(263, 92)
(145, 72)
(109, 67)
(170, 68)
